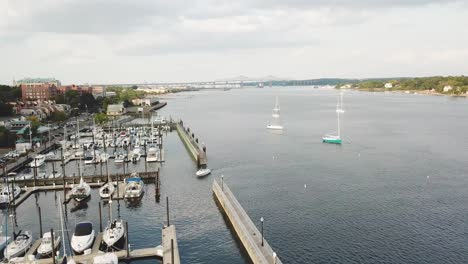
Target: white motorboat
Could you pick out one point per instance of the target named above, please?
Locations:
(103, 157)
(107, 258)
(134, 187)
(120, 157)
(45, 248)
(152, 154)
(114, 232)
(275, 123)
(203, 172)
(55, 175)
(89, 160)
(19, 246)
(135, 155)
(81, 191)
(83, 237)
(37, 161)
(106, 190)
(7, 194)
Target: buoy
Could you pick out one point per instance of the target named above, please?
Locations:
(305, 186)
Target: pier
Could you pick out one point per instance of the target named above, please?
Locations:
(168, 252)
(191, 143)
(253, 241)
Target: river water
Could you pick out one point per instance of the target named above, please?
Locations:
(394, 192)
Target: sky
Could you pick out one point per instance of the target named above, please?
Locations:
(150, 41)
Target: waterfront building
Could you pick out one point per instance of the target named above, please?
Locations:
(115, 109)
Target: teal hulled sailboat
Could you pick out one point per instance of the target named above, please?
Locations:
(332, 138)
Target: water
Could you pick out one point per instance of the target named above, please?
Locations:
(367, 201)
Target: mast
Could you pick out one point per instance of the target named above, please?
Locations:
(61, 224)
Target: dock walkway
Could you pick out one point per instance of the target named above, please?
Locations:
(245, 229)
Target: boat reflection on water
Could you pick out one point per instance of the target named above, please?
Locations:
(79, 206)
(133, 202)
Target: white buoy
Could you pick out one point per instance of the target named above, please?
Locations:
(305, 186)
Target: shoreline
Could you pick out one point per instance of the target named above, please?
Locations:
(416, 92)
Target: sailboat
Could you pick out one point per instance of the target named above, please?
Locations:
(275, 123)
(81, 191)
(332, 138)
(114, 231)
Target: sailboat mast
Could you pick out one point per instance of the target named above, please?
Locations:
(61, 224)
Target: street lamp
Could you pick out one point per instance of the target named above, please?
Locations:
(261, 220)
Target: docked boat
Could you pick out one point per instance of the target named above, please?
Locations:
(120, 157)
(275, 123)
(152, 155)
(19, 246)
(45, 248)
(83, 237)
(106, 190)
(37, 161)
(107, 258)
(89, 160)
(7, 194)
(135, 155)
(114, 231)
(203, 172)
(81, 191)
(333, 138)
(133, 187)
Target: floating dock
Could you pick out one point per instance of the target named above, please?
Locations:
(245, 229)
(147, 177)
(168, 252)
(199, 155)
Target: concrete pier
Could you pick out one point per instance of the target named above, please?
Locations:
(247, 232)
(192, 146)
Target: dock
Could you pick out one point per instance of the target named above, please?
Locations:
(248, 234)
(147, 177)
(191, 143)
(168, 252)
(170, 247)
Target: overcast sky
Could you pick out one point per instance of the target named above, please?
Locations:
(104, 41)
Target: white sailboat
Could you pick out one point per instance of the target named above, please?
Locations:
(333, 138)
(114, 231)
(81, 191)
(275, 123)
(19, 246)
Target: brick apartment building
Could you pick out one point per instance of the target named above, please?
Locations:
(43, 91)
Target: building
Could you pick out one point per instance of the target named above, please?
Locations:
(99, 91)
(80, 89)
(447, 88)
(115, 109)
(18, 125)
(37, 81)
(388, 85)
(145, 101)
(43, 91)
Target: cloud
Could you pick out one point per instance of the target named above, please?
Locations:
(288, 38)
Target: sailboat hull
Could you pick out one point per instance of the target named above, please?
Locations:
(275, 127)
(331, 140)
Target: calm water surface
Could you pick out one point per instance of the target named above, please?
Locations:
(367, 201)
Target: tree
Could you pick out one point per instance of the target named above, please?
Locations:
(35, 123)
(87, 102)
(101, 118)
(7, 139)
(58, 116)
(72, 98)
